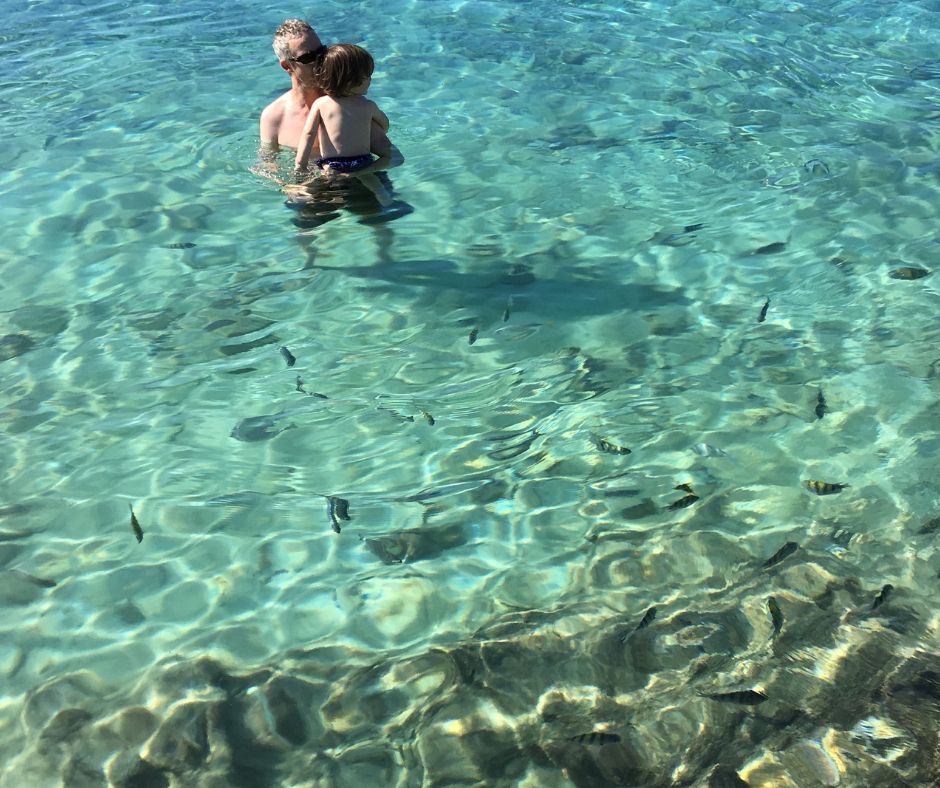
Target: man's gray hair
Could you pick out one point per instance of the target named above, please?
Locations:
(291, 28)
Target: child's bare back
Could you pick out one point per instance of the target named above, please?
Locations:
(345, 125)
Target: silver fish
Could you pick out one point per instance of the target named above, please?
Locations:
(707, 450)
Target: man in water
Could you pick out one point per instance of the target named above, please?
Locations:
(299, 50)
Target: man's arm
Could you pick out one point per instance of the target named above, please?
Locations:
(379, 117)
(270, 125)
(391, 158)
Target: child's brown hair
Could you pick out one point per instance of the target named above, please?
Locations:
(344, 66)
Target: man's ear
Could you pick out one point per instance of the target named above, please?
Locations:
(286, 66)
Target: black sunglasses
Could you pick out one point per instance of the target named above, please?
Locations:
(310, 57)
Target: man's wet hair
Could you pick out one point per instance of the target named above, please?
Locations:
(343, 68)
(290, 28)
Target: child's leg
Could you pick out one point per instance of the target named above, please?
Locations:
(376, 186)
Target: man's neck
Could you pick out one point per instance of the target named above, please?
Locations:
(304, 95)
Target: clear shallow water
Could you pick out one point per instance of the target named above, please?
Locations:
(477, 611)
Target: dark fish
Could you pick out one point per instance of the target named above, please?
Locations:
(742, 697)
(16, 508)
(428, 417)
(288, 357)
(135, 526)
(707, 450)
(473, 336)
(395, 414)
(788, 549)
(42, 582)
(816, 167)
(763, 311)
(337, 509)
(514, 450)
(820, 405)
(683, 237)
(341, 507)
(508, 310)
(823, 488)
(647, 618)
(180, 245)
(596, 737)
(777, 246)
(605, 445)
(776, 615)
(930, 526)
(644, 623)
(883, 595)
(300, 385)
(685, 487)
(257, 428)
(908, 273)
(215, 324)
(928, 70)
(683, 502)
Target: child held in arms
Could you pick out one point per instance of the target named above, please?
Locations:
(343, 125)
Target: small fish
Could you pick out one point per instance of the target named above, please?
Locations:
(685, 487)
(682, 503)
(428, 417)
(395, 414)
(820, 405)
(473, 336)
(647, 619)
(337, 509)
(823, 488)
(605, 445)
(667, 237)
(776, 615)
(763, 311)
(788, 549)
(257, 428)
(742, 697)
(644, 623)
(596, 737)
(135, 526)
(300, 385)
(883, 595)
(776, 246)
(508, 310)
(288, 356)
(930, 526)
(908, 273)
(707, 450)
(217, 324)
(42, 582)
(180, 245)
(816, 167)
(341, 507)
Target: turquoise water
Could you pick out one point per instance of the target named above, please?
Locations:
(608, 196)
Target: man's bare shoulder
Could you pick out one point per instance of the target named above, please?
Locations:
(272, 116)
(274, 112)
